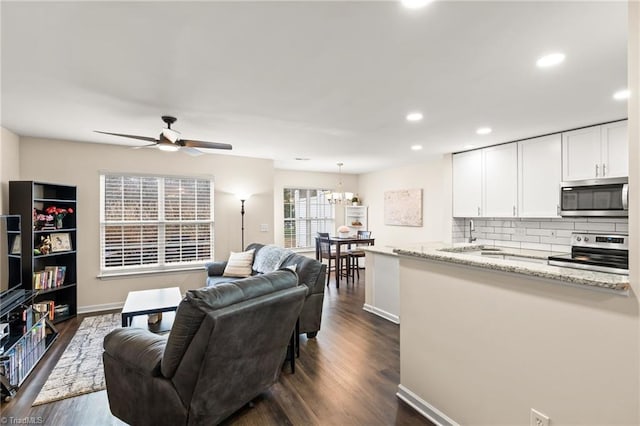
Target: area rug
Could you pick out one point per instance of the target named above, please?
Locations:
(79, 370)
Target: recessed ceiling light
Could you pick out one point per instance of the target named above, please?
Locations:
(621, 95)
(468, 146)
(302, 159)
(550, 60)
(484, 130)
(415, 4)
(414, 116)
(416, 147)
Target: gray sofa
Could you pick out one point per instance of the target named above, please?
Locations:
(310, 272)
(227, 345)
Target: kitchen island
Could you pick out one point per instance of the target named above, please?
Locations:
(485, 338)
(519, 261)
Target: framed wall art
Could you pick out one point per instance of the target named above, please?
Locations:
(403, 207)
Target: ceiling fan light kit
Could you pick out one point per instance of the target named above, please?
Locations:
(169, 139)
(167, 146)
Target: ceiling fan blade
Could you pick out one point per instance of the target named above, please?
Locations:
(191, 151)
(203, 144)
(142, 138)
(144, 146)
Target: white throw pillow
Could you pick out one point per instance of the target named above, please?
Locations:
(239, 264)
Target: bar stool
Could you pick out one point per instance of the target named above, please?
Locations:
(355, 254)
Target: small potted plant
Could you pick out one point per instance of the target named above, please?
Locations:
(355, 200)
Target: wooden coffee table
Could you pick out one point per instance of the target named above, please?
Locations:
(148, 302)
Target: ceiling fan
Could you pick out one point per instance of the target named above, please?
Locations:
(169, 140)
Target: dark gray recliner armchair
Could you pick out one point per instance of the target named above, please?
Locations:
(227, 345)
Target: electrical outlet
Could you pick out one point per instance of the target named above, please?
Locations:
(539, 419)
(264, 227)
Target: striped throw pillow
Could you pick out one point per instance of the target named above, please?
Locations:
(239, 264)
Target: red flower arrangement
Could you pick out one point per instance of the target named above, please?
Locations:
(58, 213)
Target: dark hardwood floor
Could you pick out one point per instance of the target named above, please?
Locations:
(348, 375)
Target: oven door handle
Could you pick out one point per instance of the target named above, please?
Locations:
(625, 196)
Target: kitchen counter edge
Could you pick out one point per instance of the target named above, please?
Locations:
(619, 284)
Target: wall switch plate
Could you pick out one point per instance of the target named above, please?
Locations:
(264, 227)
(539, 419)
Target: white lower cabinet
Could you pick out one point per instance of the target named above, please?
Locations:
(539, 175)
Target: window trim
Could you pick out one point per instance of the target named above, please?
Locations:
(295, 219)
(157, 268)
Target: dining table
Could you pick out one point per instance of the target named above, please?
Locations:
(338, 242)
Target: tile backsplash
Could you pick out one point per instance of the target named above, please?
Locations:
(537, 234)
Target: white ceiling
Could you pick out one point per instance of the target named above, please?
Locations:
(329, 81)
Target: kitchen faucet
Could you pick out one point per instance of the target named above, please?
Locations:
(471, 229)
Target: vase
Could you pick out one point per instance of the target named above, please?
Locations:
(59, 222)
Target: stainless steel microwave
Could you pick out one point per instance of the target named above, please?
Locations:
(595, 197)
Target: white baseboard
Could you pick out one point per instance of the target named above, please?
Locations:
(424, 408)
(100, 308)
(379, 312)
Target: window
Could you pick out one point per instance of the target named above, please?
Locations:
(306, 212)
(154, 223)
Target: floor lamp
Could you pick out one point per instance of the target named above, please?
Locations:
(242, 197)
(242, 215)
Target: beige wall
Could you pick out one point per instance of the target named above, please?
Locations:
(486, 347)
(312, 180)
(80, 164)
(9, 165)
(633, 58)
(434, 177)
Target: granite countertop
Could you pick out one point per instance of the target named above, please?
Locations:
(380, 249)
(507, 259)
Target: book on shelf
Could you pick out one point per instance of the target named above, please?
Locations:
(43, 307)
(47, 306)
(50, 277)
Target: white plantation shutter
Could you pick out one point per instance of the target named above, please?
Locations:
(306, 212)
(153, 223)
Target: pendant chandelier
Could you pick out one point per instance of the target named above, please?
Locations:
(339, 196)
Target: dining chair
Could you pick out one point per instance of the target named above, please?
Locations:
(320, 235)
(355, 254)
(326, 252)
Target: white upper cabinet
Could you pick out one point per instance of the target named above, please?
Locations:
(581, 153)
(523, 179)
(467, 184)
(539, 175)
(500, 180)
(615, 149)
(595, 152)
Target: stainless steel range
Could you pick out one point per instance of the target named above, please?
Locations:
(596, 252)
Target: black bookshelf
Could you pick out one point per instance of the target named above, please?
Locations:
(51, 274)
